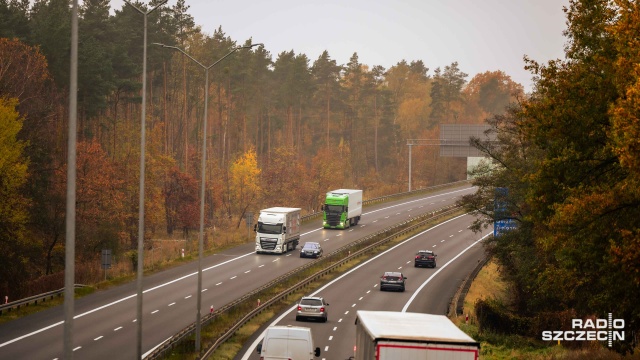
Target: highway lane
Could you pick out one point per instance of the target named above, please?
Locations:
(427, 290)
(106, 320)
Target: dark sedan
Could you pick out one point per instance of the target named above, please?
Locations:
(392, 280)
(425, 258)
(311, 250)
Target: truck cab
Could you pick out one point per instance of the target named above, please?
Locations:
(342, 209)
(277, 230)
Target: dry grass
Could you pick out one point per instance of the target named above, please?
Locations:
(489, 284)
(486, 284)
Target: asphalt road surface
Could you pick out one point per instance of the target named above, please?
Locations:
(104, 324)
(428, 290)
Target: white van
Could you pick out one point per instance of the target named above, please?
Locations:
(287, 342)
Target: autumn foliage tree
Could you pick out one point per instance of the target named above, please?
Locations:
(181, 202)
(490, 93)
(279, 125)
(13, 206)
(99, 200)
(569, 157)
(277, 179)
(244, 183)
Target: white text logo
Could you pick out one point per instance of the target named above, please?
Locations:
(608, 330)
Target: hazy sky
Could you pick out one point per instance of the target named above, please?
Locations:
(481, 35)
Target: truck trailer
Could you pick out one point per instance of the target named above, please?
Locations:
(389, 335)
(342, 209)
(277, 230)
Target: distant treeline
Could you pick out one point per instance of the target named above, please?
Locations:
(283, 129)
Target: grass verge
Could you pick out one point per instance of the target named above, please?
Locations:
(488, 284)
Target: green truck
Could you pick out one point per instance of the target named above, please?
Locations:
(342, 209)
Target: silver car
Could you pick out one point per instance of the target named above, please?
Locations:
(312, 307)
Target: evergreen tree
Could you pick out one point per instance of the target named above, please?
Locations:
(15, 19)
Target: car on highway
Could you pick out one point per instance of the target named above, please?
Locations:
(425, 258)
(311, 250)
(312, 307)
(393, 280)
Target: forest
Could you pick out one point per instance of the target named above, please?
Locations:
(567, 161)
(283, 129)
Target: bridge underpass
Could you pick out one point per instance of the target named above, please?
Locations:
(455, 141)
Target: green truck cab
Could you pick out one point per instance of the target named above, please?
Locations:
(342, 209)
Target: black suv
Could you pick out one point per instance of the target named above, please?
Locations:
(392, 280)
(425, 258)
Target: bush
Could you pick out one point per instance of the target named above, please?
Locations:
(493, 316)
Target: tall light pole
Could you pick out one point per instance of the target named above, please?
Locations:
(202, 182)
(70, 218)
(142, 158)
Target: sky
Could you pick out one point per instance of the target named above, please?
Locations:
(481, 35)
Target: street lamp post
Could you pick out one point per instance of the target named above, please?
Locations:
(70, 218)
(142, 163)
(202, 182)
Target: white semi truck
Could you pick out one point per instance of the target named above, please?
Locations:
(342, 208)
(277, 230)
(389, 335)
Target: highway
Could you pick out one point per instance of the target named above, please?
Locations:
(104, 325)
(427, 290)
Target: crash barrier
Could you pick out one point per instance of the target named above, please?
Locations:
(456, 304)
(394, 197)
(336, 259)
(51, 294)
(34, 300)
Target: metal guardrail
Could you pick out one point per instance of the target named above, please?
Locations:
(394, 196)
(457, 302)
(51, 294)
(396, 231)
(210, 317)
(40, 298)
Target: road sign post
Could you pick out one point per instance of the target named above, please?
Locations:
(106, 261)
(249, 221)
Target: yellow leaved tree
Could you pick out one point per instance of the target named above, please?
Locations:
(13, 206)
(244, 184)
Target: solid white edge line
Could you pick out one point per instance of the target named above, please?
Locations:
(404, 309)
(279, 318)
(194, 273)
(118, 301)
